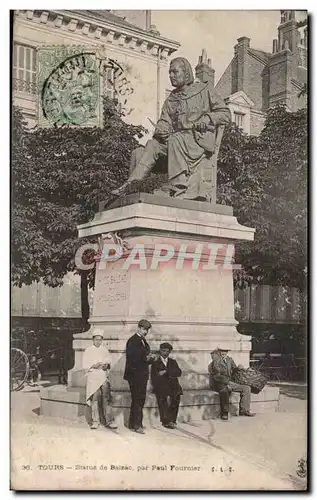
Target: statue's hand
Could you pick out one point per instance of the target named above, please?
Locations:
(200, 127)
(203, 127)
(162, 132)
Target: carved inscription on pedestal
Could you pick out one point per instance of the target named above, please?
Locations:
(111, 293)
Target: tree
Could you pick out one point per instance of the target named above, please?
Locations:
(59, 175)
(29, 244)
(265, 179)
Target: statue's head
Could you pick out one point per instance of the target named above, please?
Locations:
(180, 72)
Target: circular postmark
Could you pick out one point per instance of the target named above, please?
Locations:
(70, 94)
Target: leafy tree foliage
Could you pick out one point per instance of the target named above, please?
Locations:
(265, 179)
(29, 244)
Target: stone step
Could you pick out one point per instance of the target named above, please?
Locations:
(197, 397)
(69, 403)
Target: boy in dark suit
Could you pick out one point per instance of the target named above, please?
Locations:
(136, 372)
(221, 371)
(164, 376)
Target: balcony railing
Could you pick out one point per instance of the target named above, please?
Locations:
(24, 86)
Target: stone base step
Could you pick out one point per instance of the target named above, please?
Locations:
(69, 403)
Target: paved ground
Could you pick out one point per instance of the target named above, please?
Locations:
(258, 453)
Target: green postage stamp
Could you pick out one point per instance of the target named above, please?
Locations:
(69, 86)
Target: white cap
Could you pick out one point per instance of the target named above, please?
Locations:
(98, 333)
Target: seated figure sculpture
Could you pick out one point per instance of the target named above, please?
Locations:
(189, 133)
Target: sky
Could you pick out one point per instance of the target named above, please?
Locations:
(217, 31)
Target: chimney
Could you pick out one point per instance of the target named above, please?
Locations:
(244, 41)
(147, 20)
(281, 64)
(287, 30)
(204, 71)
(241, 67)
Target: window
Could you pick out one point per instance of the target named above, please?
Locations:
(109, 83)
(24, 68)
(239, 119)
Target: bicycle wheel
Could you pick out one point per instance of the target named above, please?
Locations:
(19, 368)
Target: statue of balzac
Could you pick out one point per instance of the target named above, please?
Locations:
(188, 132)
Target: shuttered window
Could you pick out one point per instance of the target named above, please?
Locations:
(239, 120)
(24, 68)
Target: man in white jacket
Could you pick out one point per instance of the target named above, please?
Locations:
(96, 362)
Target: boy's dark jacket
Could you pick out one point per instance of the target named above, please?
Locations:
(167, 384)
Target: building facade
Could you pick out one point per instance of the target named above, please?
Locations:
(132, 57)
(256, 80)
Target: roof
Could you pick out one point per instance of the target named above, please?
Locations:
(108, 16)
(264, 56)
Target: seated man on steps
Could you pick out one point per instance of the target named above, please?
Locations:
(221, 371)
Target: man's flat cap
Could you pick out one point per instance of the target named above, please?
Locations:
(144, 323)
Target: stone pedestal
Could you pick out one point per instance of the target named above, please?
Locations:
(189, 303)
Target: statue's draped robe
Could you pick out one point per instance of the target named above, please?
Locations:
(189, 152)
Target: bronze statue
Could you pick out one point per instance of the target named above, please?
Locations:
(188, 132)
